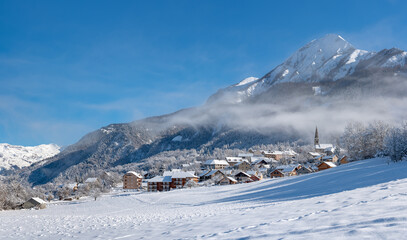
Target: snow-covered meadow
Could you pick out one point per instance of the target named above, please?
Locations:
(360, 200)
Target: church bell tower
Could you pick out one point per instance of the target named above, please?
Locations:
(316, 139)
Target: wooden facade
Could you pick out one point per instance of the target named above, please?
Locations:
(242, 177)
(276, 173)
(227, 181)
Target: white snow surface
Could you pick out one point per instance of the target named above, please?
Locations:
(246, 81)
(360, 200)
(21, 156)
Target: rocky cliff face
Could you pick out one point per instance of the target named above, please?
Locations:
(326, 83)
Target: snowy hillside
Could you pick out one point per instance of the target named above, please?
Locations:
(360, 200)
(12, 156)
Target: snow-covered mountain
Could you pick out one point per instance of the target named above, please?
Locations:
(328, 83)
(12, 156)
(330, 58)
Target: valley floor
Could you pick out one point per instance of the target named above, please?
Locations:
(360, 200)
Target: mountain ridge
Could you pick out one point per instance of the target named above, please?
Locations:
(15, 157)
(329, 58)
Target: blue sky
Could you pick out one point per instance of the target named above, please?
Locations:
(70, 67)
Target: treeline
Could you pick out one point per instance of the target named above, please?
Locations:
(363, 141)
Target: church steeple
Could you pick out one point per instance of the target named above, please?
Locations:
(316, 139)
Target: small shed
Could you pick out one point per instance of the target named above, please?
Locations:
(35, 203)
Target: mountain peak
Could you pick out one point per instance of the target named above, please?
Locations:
(325, 47)
(317, 60)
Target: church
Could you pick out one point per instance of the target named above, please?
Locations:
(325, 148)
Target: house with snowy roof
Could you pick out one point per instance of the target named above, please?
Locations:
(260, 162)
(226, 180)
(216, 164)
(303, 170)
(277, 155)
(159, 184)
(34, 202)
(214, 174)
(242, 177)
(243, 166)
(284, 171)
(325, 165)
(180, 178)
(132, 180)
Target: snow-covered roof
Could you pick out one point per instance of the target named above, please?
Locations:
(38, 200)
(135, 174)
(91, 180)
(277, 153)
(323, 146)
(267, 160)
(247, 175)
(161, 179)
(286, 168)
(183, 175)
(210, 173)
(177, 173)
(331, 164)
(216, 162)
(314, 154)
(245, 155)
(290, 153)
(244, 161)
(231, 179)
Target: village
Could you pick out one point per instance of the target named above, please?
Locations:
(254, 165)
(244, 168)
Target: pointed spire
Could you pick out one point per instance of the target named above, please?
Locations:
(316, 139)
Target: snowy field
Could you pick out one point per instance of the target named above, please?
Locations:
(361, 200)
